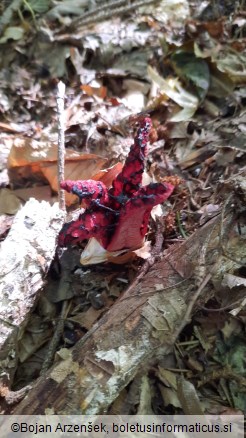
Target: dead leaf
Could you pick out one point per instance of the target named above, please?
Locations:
(94, 253)
(188, 397)
(145, 251)
(82, 168)
(167, 377)
(231, 327)
(226, 59)
(36, 335)
(95, 91)
(135, 94)
(169, 396)
(173, 89)
(225, 156)
(26, 151)
(208, 211)
(5, 223)
(32, 158)
(9, 203)
(232, 281)
(14, 127)
(145, 401)
(88, 318)
(41, 193)
(108, 175)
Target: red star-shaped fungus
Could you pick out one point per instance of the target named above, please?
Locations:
(117, 217)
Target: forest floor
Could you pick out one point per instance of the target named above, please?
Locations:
(182, 64)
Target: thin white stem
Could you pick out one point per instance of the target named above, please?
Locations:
(61, 141)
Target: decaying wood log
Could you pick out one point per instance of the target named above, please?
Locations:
(145, 321)
(25, 257)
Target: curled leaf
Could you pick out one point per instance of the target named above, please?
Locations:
(173, 89)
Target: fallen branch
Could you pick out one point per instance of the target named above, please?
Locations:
(25, 257)
(106, 11)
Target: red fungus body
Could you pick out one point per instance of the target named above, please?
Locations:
(117, 217)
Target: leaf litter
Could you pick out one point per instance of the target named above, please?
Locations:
(186, 68)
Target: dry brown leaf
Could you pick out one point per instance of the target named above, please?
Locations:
(169, 396)
(26, 151)
(188, 398)
(122, 259)
(41, 193)
(108, 175)
(214, 28)
(169, 378)
(94, 91)
(13, 127)
(88, 318)
(196, 156)
(145, 397)
(84, 168)
(29, 157)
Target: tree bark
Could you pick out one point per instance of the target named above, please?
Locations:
(25, 257)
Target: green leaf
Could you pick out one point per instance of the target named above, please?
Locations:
(192, 69)
(39, 6)
(12, 33)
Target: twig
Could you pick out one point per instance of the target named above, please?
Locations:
(61, 141)
(181, 229)
(56, 339)
(60, 170)
(222, 232)
(201, 278)
(221, 309)
(191, 304)
(25, 2)
(105, 11)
